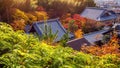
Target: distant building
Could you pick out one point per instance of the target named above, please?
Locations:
(116, 28)
(94, 14)
(93, 38)
(117, 11)
(53, 24)
(107, 3)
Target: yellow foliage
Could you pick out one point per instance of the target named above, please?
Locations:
(78, 33)
(31, 17)
(114, 40)
(41, 15)
(18, 15)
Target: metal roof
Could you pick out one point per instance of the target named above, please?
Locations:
(94, 36)
(88, 39)
(55, 25)
(97, 14)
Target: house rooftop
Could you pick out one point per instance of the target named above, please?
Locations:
(77, 43)
(97, 14)
(88, 39)
(54, 25)
(94, 36)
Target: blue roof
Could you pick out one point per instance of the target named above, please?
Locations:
(97, 14)
(55, 26)
(95, 36)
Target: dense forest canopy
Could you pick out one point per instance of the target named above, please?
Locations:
(55, 8)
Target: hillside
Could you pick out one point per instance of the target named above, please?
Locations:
(20, 50)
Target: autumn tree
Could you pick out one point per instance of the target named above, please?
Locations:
(5, 6)
(83, 4)
(19, 19)
(57, 8)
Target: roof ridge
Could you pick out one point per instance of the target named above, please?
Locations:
(47, 20)
(94, 32)
(96, 8)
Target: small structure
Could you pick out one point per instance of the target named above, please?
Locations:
(94, 14)
(77, 43)
(55, 26)
(93, 38)
(117, 12)
(116, 28)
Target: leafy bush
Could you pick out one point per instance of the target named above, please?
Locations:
(79, 33)
(111, 47)
(18, 15)
(74, 24)
(32, 18)
(75, 21)
(18, 24)
(92, 26)
(41, 15)
(20, 19)
(19, 50)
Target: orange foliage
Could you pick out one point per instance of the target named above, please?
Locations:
(114, 39)
(66, 16)
(78, 33)
(99, 51)
(18, 24)
(76, 21)
(31, 17)
(111, 48)
(79, 19)
(41, 15)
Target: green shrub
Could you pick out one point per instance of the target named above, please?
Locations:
(19, 50)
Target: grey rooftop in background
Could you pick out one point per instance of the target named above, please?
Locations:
(95, 36)
(98, 14)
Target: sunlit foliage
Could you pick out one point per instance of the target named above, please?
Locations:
(111, 47)
(18, 15)
(41, 15)
(74, 23)
(25, 51)
(79, 33)
(32, 18)
(18, 24)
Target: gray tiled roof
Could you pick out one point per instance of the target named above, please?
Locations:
(95, 36)
(97, 14)
(55, 25)
(88, 39)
